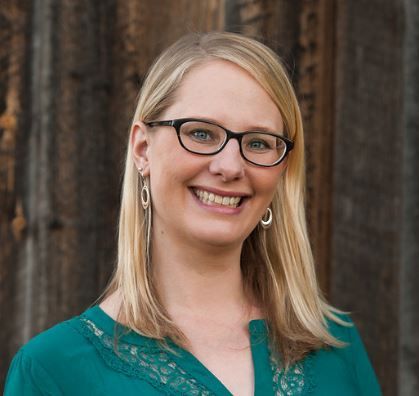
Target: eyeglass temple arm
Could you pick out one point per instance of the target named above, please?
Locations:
(159, 123)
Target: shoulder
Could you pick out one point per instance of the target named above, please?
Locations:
(54, 343)
(48, 359)
(345, 330)
(342, 327)
(348, 364)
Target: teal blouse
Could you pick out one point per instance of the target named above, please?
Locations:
(77, 357)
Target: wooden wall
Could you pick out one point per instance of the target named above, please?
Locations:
(70, 71)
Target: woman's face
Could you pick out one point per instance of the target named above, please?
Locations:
(226, 94)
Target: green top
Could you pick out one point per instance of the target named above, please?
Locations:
(77, 357)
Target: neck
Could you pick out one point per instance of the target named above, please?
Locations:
(197, 280)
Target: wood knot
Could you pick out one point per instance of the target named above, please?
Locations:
(19, 222)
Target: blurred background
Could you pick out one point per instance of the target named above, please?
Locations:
(70, 72)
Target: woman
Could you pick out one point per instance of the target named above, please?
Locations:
(215, 291)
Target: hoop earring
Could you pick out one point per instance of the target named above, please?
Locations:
(268, 222)
(145, 196)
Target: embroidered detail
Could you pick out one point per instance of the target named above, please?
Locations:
(149, 362)
(156, 366)
(296, 380)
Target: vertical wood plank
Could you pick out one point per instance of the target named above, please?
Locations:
(368, 176)
(315, 87)
(409, 276)
(13, 55)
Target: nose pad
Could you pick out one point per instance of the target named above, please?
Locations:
(229, 162)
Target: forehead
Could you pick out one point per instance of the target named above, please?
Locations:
(225, 92)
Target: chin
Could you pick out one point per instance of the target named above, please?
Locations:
(221, 245)
(221, 238)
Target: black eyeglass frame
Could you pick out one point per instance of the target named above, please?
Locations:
(177, 123)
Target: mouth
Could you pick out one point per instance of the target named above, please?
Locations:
(212, 199)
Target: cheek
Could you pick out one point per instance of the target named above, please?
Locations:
(266, 182)
(163, 155)
(171, 168)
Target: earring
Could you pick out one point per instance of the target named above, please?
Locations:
(145, 192)
(268, 222)
(145, 196)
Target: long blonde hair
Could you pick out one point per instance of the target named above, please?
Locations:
(277, 264)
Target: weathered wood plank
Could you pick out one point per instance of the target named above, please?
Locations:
(409, 276)
(315, 87)
(14, 16)
(368, 151)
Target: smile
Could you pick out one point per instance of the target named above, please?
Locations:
(210, 198)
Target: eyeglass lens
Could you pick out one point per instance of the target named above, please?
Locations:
(258, 147)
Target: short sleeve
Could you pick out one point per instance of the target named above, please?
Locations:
(27, 377)
(366, 378)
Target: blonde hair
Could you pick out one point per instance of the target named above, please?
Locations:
(277, 264)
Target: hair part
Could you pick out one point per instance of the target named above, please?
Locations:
(277, 264)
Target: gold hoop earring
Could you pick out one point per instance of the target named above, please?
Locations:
(145, 196)
(268, 222)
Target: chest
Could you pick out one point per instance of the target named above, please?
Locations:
(233, 368)
(227, 357)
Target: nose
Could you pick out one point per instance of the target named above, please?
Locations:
(228, 163)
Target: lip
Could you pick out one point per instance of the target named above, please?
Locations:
(221, 209)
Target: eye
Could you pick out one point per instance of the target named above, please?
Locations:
(258, 145)
(201, 135)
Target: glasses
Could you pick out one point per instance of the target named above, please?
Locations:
(207, 138)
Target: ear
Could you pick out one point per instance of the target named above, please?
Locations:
(140, 144)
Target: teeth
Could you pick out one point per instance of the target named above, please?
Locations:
(211, 198)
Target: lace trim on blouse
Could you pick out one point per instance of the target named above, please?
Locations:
(155, 365)
(294, 382)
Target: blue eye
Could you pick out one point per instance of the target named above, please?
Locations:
(198, 136)
(258, 145)
(201, 134)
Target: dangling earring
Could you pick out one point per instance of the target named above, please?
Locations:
(145, 196)
(268, 222)
(145, 192)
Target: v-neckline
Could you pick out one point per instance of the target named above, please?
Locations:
(262, 371)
